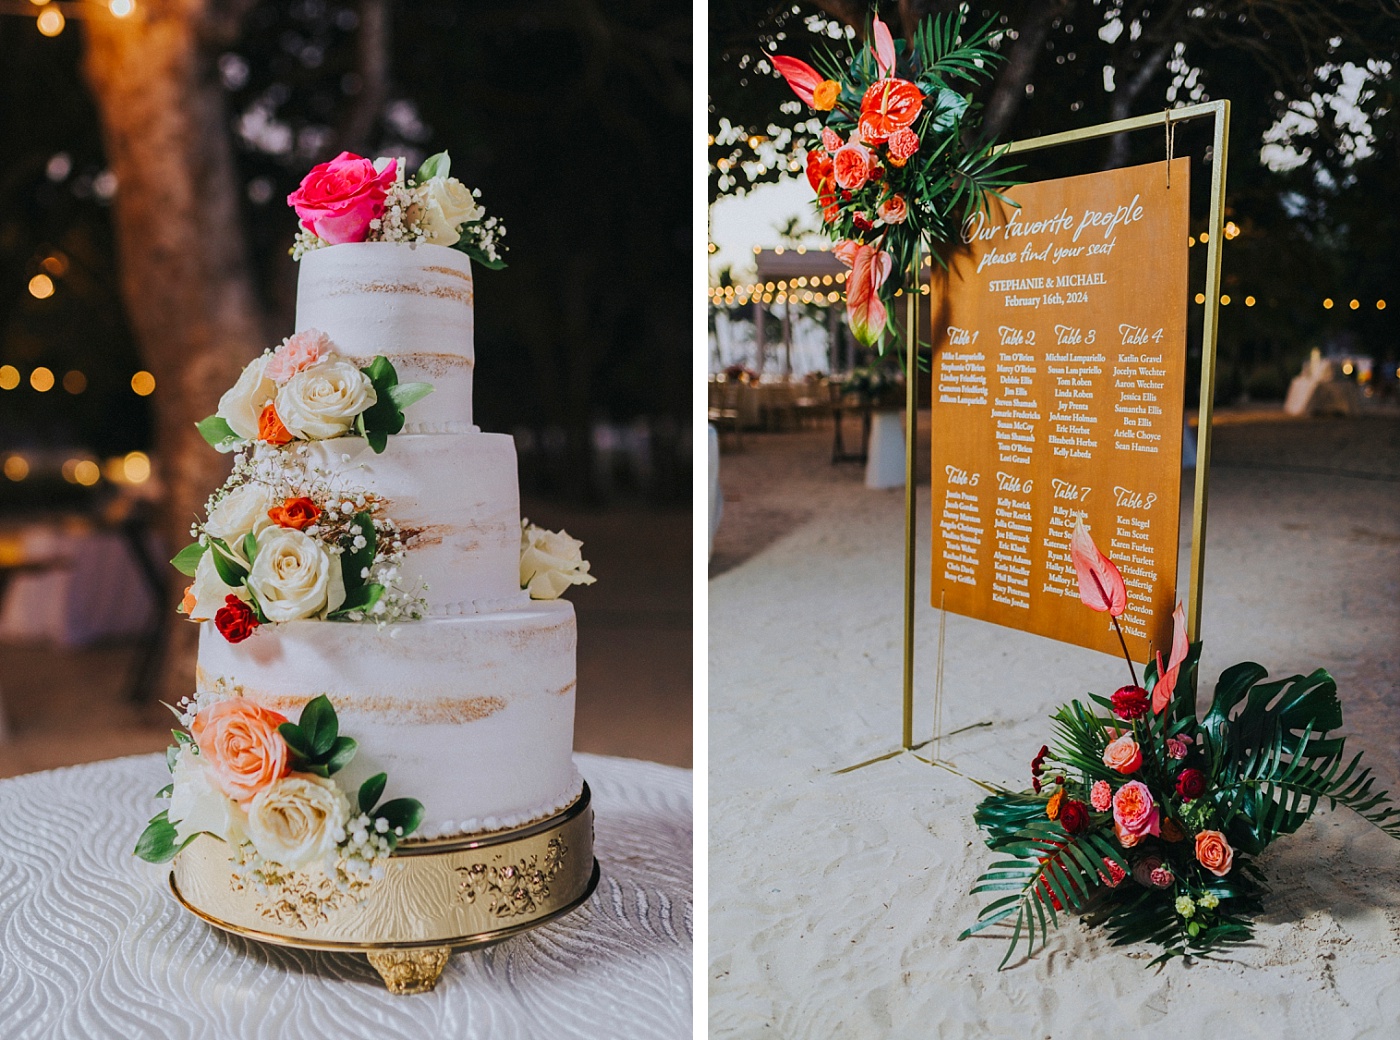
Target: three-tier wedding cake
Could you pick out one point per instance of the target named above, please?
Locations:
(365, 570)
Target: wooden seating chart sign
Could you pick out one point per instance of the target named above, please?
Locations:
(1058, 379)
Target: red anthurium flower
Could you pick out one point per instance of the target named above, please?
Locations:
(884, 47)
(888, 105)
(870, 267)
(1101, 587)
(1166, 677)
(801, 77)
(819, 171)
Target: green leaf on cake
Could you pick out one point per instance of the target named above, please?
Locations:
(362, 599)
(186, 561)
(439, 165)
(342, 751)
(296, 740)
(477, 256)
(250, 547)
(353, 562)
(230, 568)
(385, 416)
(319, 726)
(401, 812)
(158, 842)
(405, 394)
(371, 790)
(218, 433)
(166, 791)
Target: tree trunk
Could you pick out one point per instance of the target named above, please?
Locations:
(185, 277)
(1121, 107)
(1009, 89)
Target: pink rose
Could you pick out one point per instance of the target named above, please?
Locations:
(300, 352)
(338, 199)
(1135, 814)
(1123, 755)
(1176, 747)
(893, 209)
(1101, 796)
(852, 166)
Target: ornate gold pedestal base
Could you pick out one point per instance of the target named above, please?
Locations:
(410, 971)
(435, 896)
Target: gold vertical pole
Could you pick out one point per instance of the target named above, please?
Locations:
(911, 425)
(1210, 329)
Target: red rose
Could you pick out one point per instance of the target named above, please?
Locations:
(1190, 784)
(1074, 817)
(1130, 702)
(235, 620)
(861, 222)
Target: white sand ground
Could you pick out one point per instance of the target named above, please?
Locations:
(835, 900)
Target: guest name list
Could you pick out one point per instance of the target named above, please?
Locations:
(1058, 377)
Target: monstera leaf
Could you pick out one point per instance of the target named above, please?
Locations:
(1272, 761)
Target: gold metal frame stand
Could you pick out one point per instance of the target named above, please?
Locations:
(1219, 111)
(435, 896)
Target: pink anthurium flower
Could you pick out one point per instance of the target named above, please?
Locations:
(1166, 677)
(800, 76)
(884, 47)
(865, 311)
(1100, 585)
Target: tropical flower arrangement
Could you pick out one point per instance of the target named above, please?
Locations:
(250, 777)
(550, 562)
(304, 391)
(280, 542)
(891, 170)
(354, 199)
(1145, 818)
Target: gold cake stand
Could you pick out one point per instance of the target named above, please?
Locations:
(435, 896)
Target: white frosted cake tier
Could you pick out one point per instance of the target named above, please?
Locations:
(413, 304)
(472, 716)
(457, 497)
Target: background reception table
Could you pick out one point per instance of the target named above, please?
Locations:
(93, 944)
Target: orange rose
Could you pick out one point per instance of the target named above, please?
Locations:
(1214, 853)
(1171, 832)
(270, 426)
(1052, 807)
(889, 105)
(296, 513)
(893, 209)
(239, 742)
(1123, 755)
(825, 95)
(188, 603)
(851, 166)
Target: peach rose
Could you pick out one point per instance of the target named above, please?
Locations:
(893, 209)
(1135, 814)
(1214, 853)
(240, 746)
(1123, 755)
(851, 166)
(297, 353)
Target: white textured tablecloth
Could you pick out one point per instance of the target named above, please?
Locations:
(94, 946)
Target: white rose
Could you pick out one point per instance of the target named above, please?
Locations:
(294, 576)
(322, 401)
(244, 402)
(298, 820)
(446, 204)
(550, 561)
(241, 511)
(197, 806)
(209, 591)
